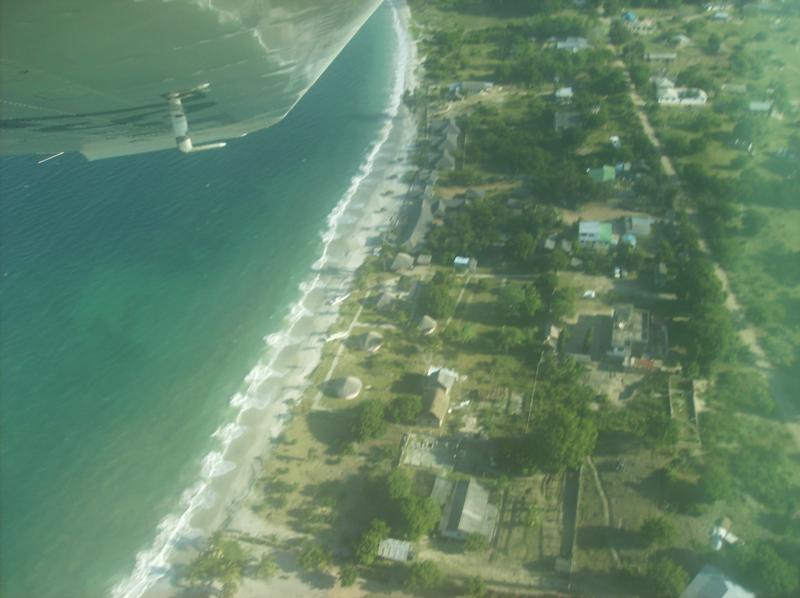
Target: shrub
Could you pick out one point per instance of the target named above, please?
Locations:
(423, 576)
(476, 543)
(405, 409)
(314, 557)
(371, 421)
(348, 575)
(657, 531)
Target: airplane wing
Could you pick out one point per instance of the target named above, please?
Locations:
(97, 76)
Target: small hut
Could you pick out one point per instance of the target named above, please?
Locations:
(346, 388)
(372, 342)
(402, 261)
(427, 325)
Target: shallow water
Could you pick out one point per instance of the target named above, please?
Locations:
(136, 294)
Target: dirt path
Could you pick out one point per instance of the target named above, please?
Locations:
(606, 510)
(748, 334)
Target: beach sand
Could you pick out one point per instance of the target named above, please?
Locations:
(281, 379)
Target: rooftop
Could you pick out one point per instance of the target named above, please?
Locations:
(712, 583)
(469, 511)
(394, 550)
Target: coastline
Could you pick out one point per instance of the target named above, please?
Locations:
(277, 383)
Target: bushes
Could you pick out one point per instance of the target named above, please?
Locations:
(475, 543)
(367, 547)
(405, 409)
(411, 515)
(665, 579)
(370, 422)
(765, 570)
(223, 560)
(562, 439)
(313, 557)
(743, 391)
(436, 299)
(657, 531)
(348, 575)
(423, 576)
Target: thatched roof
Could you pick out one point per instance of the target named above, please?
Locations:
(427, 325)
(438, 402)
(402, 261)
(371, 342)
(346, 388)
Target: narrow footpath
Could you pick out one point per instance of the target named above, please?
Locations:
(748, 334)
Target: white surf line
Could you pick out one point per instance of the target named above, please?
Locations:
(153, 563)
(50, 158)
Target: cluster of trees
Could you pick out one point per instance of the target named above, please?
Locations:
(657, 531)
(744, 391)
(313, 556)
(224, 562)
(472, 231)
(710, 336)
(409, 514)
(436, 298)
(370, 420)
(372, 417)
(764, 570)
(528, 145)
(563, 437)
(504, 7)
(562, 431)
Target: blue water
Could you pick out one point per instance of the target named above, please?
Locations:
(135, 295)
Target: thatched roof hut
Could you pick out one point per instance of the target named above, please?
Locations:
(427, 325)
(346, 388)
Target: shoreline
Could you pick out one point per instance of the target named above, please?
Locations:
(277, 383)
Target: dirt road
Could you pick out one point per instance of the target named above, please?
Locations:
(748, 334)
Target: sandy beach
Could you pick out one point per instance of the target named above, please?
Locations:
(280, 380)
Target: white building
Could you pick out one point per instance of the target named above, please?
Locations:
(564, 94)
(681, 96)
(572, 44)
(712, 583)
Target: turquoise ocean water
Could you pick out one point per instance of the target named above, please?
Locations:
(135, 296)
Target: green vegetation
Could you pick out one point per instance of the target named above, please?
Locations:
(437, 299)
(313, 557)
(765, 571)
(367, 548)
(404, 409)
(423, 576)
(476, 587)
(370, 421)
(222, 561)
(411, 515)
(665, 578)
(657, 531)
(476, 543)
(266, 568)
(678, 439)
(563, 438)
(348, 575)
